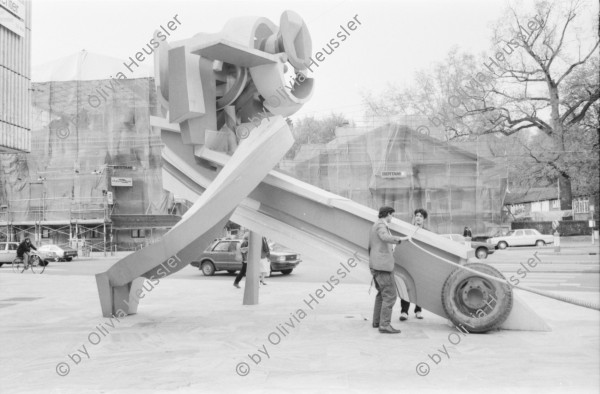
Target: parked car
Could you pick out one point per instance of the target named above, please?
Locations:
(524, 237)
(220, 256)
(484, 238)
(8, 252)
(482, 249)
(58, 253)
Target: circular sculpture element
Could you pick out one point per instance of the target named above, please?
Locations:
(474, 302)
(296, 39)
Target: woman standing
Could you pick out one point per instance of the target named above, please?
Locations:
(419, 221)
(265, 261)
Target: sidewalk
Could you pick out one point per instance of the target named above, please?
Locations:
(578, 244)
(192, 336)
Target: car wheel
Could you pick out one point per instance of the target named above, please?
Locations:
(208, 269)
(539, 242)
(286, 272)
(502, 245)
(69, 258)
(231, 272)
(481, 253)
(475, 303)
(1, 264)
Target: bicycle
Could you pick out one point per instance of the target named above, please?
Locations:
(36, 264)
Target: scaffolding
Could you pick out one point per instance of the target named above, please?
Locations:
(87, 165)
(404, 166)
(82, 223)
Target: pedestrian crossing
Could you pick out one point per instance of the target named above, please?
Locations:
(556, 281)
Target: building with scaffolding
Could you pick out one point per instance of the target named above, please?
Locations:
(397, 166)
(93, 177)
(15, 73)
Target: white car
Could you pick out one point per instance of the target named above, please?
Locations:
(524, 237)
(58, 253)
(482, 249)
(8, 252)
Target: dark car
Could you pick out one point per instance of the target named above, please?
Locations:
(220, 256)
(482, 249)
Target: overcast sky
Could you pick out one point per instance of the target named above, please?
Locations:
(395, 38)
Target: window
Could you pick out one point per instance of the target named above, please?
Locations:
(545, 206)
(518, 208)
(556, 204)
(529, 232)
(45, 233)
(222, 247)
(12, 246)
(138, 233)
(581, 205)
(457, 197)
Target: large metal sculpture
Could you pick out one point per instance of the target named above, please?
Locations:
(223, 97)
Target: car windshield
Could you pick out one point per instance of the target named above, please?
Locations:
(510, 233)
(278, 248)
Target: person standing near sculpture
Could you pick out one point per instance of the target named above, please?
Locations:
(265, 262)
(419, 220)
(381, 263)
(244, 249)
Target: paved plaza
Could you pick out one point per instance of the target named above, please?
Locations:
(194, 336)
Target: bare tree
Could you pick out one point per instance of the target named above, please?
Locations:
(542, 76)
(534, 89)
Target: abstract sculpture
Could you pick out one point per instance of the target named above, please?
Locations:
(213, 85)
(226, 94)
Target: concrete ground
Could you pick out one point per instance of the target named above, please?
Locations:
(192, 336)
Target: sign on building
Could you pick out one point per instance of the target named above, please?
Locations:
(393, 174)
(121, 181)
(12, 16)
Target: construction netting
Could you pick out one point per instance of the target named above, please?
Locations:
(93, 154)
(459, 183)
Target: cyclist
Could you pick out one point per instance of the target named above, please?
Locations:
(23, 251)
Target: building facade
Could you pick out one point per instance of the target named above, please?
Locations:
(15, 75)
(395, 165)
(93, 178)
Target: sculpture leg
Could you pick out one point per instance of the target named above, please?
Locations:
(118, 300)
(251, 287)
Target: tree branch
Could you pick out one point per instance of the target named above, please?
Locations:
(578, 63)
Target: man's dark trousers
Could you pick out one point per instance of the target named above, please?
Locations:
(385, 299)
(241, 274)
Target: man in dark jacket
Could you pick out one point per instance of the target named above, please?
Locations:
(244, 250)
(381, 263)
(265, 253)
(24, 249)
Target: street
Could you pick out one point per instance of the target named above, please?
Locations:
(571, 270)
